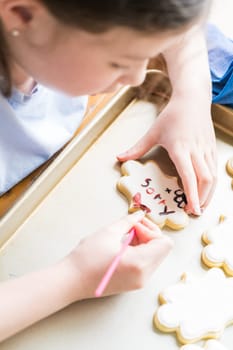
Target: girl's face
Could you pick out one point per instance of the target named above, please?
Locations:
(87, 63)
(75, 61)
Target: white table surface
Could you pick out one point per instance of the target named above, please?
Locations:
(120, 322)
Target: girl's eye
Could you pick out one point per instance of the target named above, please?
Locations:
(117, 66)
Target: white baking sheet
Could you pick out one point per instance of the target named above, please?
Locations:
(85, 200)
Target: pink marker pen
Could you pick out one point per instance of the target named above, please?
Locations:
(112, 267)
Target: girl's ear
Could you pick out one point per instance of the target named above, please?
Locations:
(15, 14)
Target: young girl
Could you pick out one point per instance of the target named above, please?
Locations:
(51, 52)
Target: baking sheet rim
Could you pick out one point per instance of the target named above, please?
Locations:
(51, 176)
(57, 169)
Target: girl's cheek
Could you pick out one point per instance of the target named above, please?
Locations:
(108, 80)
(112, 89)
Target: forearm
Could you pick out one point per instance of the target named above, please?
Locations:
(188, 68)
(28, 299)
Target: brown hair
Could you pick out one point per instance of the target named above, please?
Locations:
(142, 15)
(5, 76)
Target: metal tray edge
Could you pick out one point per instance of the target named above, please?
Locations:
(51, 176)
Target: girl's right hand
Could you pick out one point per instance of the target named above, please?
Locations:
(90, 260)
(40, 294)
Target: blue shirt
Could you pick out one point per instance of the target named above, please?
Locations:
(33, 128)
(220, 52)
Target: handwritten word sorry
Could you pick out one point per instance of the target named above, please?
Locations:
(178, 197)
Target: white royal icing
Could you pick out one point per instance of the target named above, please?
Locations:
(158, 192)
(209, 345)
(197, 308)
(219, 250)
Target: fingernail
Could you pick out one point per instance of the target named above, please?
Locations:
(197, 210)
(121, 155)
(188, 210)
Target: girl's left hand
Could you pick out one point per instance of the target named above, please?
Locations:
(185, 129)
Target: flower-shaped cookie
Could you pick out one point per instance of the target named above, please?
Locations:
(197, 308)
(148, 188)
(219, 249)
(209, 345)
(229, 168)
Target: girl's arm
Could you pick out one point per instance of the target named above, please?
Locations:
(185, 126)
(28, 299)
(195, 146)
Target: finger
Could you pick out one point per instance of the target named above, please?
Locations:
(126, 223)
(145, 234)
(149, 255)
(204, 177)
(185, 169)
(211, 160)
(141, 147)
(150, 224)
(208, 199)
(154, 231)
(162, 244)
(140, 262)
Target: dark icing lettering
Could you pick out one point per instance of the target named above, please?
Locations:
(137, 198)
(180, 198)
(163, 201)
(158, 196)
(166, 211)
(168, 190)
(147, 182)
(150, 190)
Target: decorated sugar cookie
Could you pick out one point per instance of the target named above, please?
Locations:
(148, 188)
(229, 168)
(197, 308)
(219, 249)
(209, 345)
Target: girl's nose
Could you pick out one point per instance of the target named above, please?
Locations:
(134, 78)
